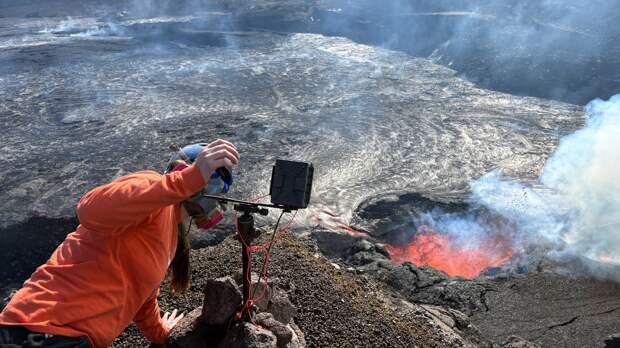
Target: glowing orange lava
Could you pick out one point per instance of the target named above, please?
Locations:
(429, 248)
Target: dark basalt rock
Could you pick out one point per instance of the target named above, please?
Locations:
(248, 335)
(546, 302)
(187, 333)
(283, 333)
(213, 324)
(613, 341)
(222, 299)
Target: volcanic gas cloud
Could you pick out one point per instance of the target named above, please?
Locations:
(573, 212)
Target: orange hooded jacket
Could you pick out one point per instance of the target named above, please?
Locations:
(108, 272)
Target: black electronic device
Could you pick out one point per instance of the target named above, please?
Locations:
(291, 184)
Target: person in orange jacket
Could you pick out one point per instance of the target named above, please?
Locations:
(107, 272)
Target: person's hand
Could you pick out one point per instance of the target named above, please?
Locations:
(219, 153)
(170, 320)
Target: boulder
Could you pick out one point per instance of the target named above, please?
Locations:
(221, 300)
(246, 335)
(186, 333)
(280, 306)
(284, 334)
(298, 335)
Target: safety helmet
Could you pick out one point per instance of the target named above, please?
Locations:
(206, 212)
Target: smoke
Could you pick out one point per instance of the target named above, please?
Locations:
(575, 212)
(560, 49)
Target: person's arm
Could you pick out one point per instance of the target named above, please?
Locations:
(150, 322)
(131, 199)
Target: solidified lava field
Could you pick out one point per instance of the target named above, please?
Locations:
(441, 133)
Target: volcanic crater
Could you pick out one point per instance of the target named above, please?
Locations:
(397, 129)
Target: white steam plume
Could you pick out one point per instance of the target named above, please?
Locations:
(577, 210)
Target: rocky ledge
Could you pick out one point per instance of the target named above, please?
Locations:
(546, 302)
(332, 306)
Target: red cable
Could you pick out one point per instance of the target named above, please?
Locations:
(264, 271)
(247, 305)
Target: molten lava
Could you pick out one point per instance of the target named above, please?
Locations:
(429, 248)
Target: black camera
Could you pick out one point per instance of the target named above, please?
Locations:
(291, 184)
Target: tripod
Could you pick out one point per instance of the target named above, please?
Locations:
(246, 235)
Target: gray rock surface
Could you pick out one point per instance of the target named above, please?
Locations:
(551, 310)
(283, 332)
(546, 306)
(518, 342)
(280, 306)
(298, 336)
(247, 335)
(109, 108)
(222, 298)
(453, 326)
(187, 333)
(291, 10)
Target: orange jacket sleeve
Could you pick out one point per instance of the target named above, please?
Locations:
(149, 321)
(130, 200)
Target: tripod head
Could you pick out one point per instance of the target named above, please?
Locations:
(246, 235)
(291, 184)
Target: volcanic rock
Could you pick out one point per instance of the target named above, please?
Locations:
(453, 326)
(222, 298)
(187, 332)
(298, 335)
(357, 311)
(613, 341)
(518, 342)
(559, 310)
(248, 335)
(280, 306)
(273, 85)
(283, 332)
(269, 296)
(211, 325)
(555, 302)
(418, 284)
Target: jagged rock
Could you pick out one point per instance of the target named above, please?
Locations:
(221, 300)
(454, 326)
(430, 286)
(613, 341)
(380, 248)
(518, 342)
(283, 333)
(261, 291)
(363, 252)
(280, 306)
(363, 258)
(363, 245)
(270, 297)
(298, 335)
(247, 335)
(185, 334)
